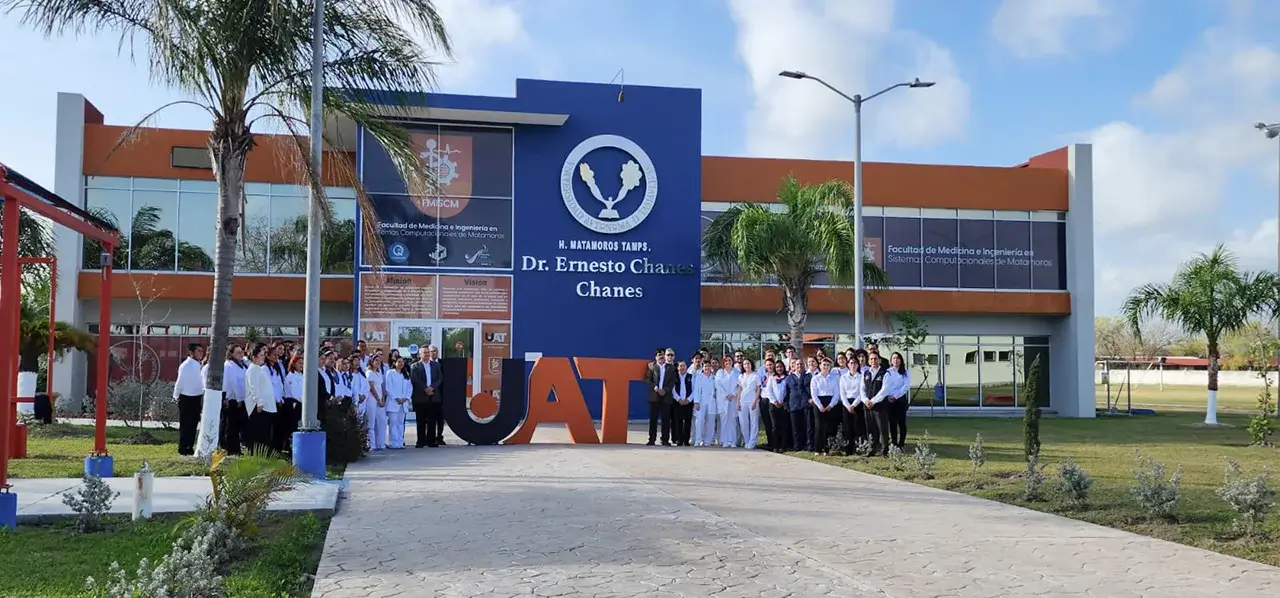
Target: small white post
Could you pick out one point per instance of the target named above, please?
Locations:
(143, 485)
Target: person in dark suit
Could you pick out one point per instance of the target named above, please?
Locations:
(661, 378)
(796, 391)
(682, 405)
(428, 398)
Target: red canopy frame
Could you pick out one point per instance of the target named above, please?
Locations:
(52, 263)
(18, 192)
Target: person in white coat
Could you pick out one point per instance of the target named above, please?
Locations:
(399, 389)
(359, 388)
(260, 399)
(705, 406)
(749, 403)
(236, 429)
(851, 402)
(898, 398)
(377, 404)
(824, 387)
(727, 402)
(779, 418)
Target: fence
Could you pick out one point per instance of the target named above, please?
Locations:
(1156, 376)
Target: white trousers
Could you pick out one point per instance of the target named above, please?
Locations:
(704, 427)
(377, 427)
(749, 424)
(395, 429)
(728, 429)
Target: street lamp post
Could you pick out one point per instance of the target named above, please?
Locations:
(857, 100)
(1272, 131)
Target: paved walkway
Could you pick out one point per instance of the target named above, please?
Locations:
(40, 499)
(620, 521)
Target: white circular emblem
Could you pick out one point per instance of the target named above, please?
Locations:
(607, 189)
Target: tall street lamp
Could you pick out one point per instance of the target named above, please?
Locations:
(858, 100)
(1271, 131)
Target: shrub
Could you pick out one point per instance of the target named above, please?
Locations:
(131, 400)
(164, 411)
(836, 442)
(65, 406)
(863, 447)
(926, 459)
(1155, 493)
(346, 435)
(1251, 496)
(242, 490)
(190, 570)
(897, 459)
(977, 454)
(1074, 482)
(1033, 480)
(90, 501)
(1031, 414)
(1262, 426)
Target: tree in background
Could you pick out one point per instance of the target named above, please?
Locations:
(1114, 338)
(1208, 295)
(812, 234)
(1189, 346)
(248, 63)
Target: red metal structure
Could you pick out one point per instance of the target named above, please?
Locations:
(16, 193)
(18, 443)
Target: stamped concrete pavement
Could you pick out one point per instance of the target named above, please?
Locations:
(620, 521)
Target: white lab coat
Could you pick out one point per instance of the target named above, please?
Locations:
(398, 388)
(749, 409)
(851, 388)
(706, 410)
(377, 413)
(259, 392)
(293, 386)
(899, 385)
(190, 382)
(727, 406)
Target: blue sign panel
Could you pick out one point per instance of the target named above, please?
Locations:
(602, 235)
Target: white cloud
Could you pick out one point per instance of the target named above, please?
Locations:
(1032, 29)
(856, 48)
(1163, 194)
(482, 32)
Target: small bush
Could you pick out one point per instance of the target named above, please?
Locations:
(836, 442)
(65, 407)
(1251, 496)
(897, 459)
(863, 447)
(1033, 479)
(346, 436)
(90, 501)
(164, 411)
(190, 570)
(242, 490)
(977, 455)
(1074, 482)
(926, 459)
(1031, 414)
(1154, 491)
(132, 400)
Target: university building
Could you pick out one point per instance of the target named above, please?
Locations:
(564, 221)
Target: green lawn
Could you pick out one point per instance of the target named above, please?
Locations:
(1231, 399)
(1105, 449)
(53, 561)
(58, 451)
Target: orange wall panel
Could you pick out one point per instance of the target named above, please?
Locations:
(200, 286)
(890, 184)
(822, 300)
(272, 160)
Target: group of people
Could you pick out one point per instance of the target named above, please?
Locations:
(801, 404)
(262, 387)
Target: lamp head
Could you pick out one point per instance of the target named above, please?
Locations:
(1273, 132)
(1260, 126)
(918, 83)
(793, 75)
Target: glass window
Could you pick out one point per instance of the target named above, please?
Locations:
(156, 184)
(923, 367)
(977, 243)
(201, 186)
(197, 229)
(152, 232)
(938, 244)
(116, 207)
(1023, 357)
(473, 233)
(998, 387)
(288, 189)
(1013, 254)
(251, 255)
(960, 374)
(108, 182)
(338, 241)
(288, 245)
(748, 344)
(473, 162)
(1048, 254)
(901, 251)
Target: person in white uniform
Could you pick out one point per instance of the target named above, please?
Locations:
(236, 427)
(727, 402)
(749, 403)
(705, 405)
(824, 387)
(377, 404)
(398, 391)
(851, 386)
(188, 392)
(260, 400)
(359, 389)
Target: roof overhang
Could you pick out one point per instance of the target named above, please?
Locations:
(340, 131)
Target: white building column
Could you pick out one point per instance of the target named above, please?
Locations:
(1071, 353)
(68, 182)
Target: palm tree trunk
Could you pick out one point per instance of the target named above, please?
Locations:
(796, 301)
(229, 146)
(1211, 406)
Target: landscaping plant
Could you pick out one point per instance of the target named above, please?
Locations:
(1031, 414)
(192, 569)
(977, 454)
(243, 488)
(1155, 493)
(926, 459)
(897, 459)
(346, 437)
(1251, 496)
(1033, 479)
(1074, 482)
(90, 501)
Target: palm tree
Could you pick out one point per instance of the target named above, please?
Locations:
(247, 63)
(337, 246)
(1209, 295)
(33, 330)
(35, 239)
(813, 233)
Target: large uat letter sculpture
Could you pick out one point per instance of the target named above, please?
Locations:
(520, 412)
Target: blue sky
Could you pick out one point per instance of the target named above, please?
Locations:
(1165, 90)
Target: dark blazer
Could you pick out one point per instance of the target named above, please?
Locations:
(796, 392)
(418, 377)
(688, 386)
(652, 376)
(323, 394)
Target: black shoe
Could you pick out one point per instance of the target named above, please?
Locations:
(440, 442)
(650, 443)
(665, 443)
(432, 445)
